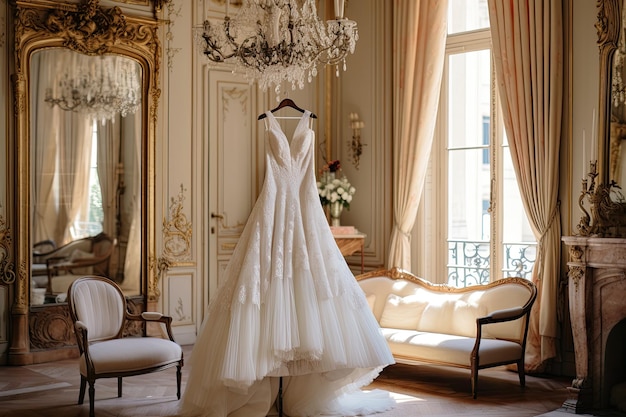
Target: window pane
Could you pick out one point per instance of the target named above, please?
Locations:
(468, 195)
(517, 236)
(467, 15)
(469, 98)
(469, 257)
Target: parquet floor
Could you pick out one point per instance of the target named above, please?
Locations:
(51, 389)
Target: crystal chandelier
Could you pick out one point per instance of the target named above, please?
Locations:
(272, 41)
(98, 86)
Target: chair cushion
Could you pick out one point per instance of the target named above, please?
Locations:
(131, 354)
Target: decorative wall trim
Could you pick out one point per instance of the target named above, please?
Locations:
(172, 12)
(177, 231)
(7, 274)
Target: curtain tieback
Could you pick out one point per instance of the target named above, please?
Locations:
(402, 232)
(553, 216)
(540, 246)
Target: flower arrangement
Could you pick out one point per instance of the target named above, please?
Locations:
(332, 189)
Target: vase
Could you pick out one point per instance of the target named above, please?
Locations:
(335, 213)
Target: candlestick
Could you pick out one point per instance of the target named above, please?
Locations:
(594, 136)
(339, 9)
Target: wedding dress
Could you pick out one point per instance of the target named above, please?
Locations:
(289, 307)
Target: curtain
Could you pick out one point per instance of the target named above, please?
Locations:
(132, 158)
(44, 129)
(75, 133)
(527, 40)
(419, 47)
(108, 160)
(61, 153)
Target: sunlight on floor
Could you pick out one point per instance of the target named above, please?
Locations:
(402, 398)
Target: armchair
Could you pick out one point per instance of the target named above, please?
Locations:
(98, 308)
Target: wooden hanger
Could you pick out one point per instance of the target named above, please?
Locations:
(287, 102)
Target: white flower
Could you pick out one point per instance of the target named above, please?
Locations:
(332, 189)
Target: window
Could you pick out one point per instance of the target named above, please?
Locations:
(486, 234)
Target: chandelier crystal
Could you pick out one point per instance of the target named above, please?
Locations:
(98, 86)
(272, 41)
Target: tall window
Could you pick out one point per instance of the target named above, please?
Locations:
(472, 193)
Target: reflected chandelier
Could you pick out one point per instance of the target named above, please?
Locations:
(272, 41)
(97, 86)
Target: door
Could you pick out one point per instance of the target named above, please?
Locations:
(235, 168)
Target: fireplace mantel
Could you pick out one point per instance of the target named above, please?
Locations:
(597, 302)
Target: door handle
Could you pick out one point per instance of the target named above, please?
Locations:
(217, 216)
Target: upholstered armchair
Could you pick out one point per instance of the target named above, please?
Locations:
(98, 308)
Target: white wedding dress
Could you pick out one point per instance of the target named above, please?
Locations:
(289, 307)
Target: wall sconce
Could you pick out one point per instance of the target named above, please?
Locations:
(355, 147)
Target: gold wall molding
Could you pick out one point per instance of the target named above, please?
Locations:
(7, 273)
(172, 12)
(177, 231)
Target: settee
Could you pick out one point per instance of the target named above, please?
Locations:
(56, 269)
(476, 327)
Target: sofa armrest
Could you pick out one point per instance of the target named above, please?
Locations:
(500, 316)
(506, 314)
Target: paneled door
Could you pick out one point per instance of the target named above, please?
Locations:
(235, 168)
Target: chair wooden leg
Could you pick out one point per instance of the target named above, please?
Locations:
(474, 381)
(92, 398)
(178, 378)
(119, 386)
(521, 373)
(81, 393)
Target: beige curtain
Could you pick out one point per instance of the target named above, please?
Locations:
(133, 195)
(74, 165)
(419, 41)
(528, 50)
(108, 162)
(62, 154)
(44, 128)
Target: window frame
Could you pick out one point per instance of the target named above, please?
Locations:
(433, 258)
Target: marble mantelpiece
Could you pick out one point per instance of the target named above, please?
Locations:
(597, 302)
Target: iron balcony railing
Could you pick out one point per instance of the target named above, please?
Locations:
(469, 262)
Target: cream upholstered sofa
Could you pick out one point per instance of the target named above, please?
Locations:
(476, 327)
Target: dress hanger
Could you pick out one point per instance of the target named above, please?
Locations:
(287, 102)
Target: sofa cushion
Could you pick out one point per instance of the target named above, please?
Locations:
(465, 315)
(402, 312)
(445, 348)
(438, 315)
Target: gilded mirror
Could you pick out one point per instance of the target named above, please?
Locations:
(85, 131)
(84, 155)
(602, 203)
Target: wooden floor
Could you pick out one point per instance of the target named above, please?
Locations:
(51, 389)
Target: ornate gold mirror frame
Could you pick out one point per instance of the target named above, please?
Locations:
(606, 217)
(45, 333)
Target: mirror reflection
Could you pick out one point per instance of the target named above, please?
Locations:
(617, 127)
(85, 139)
